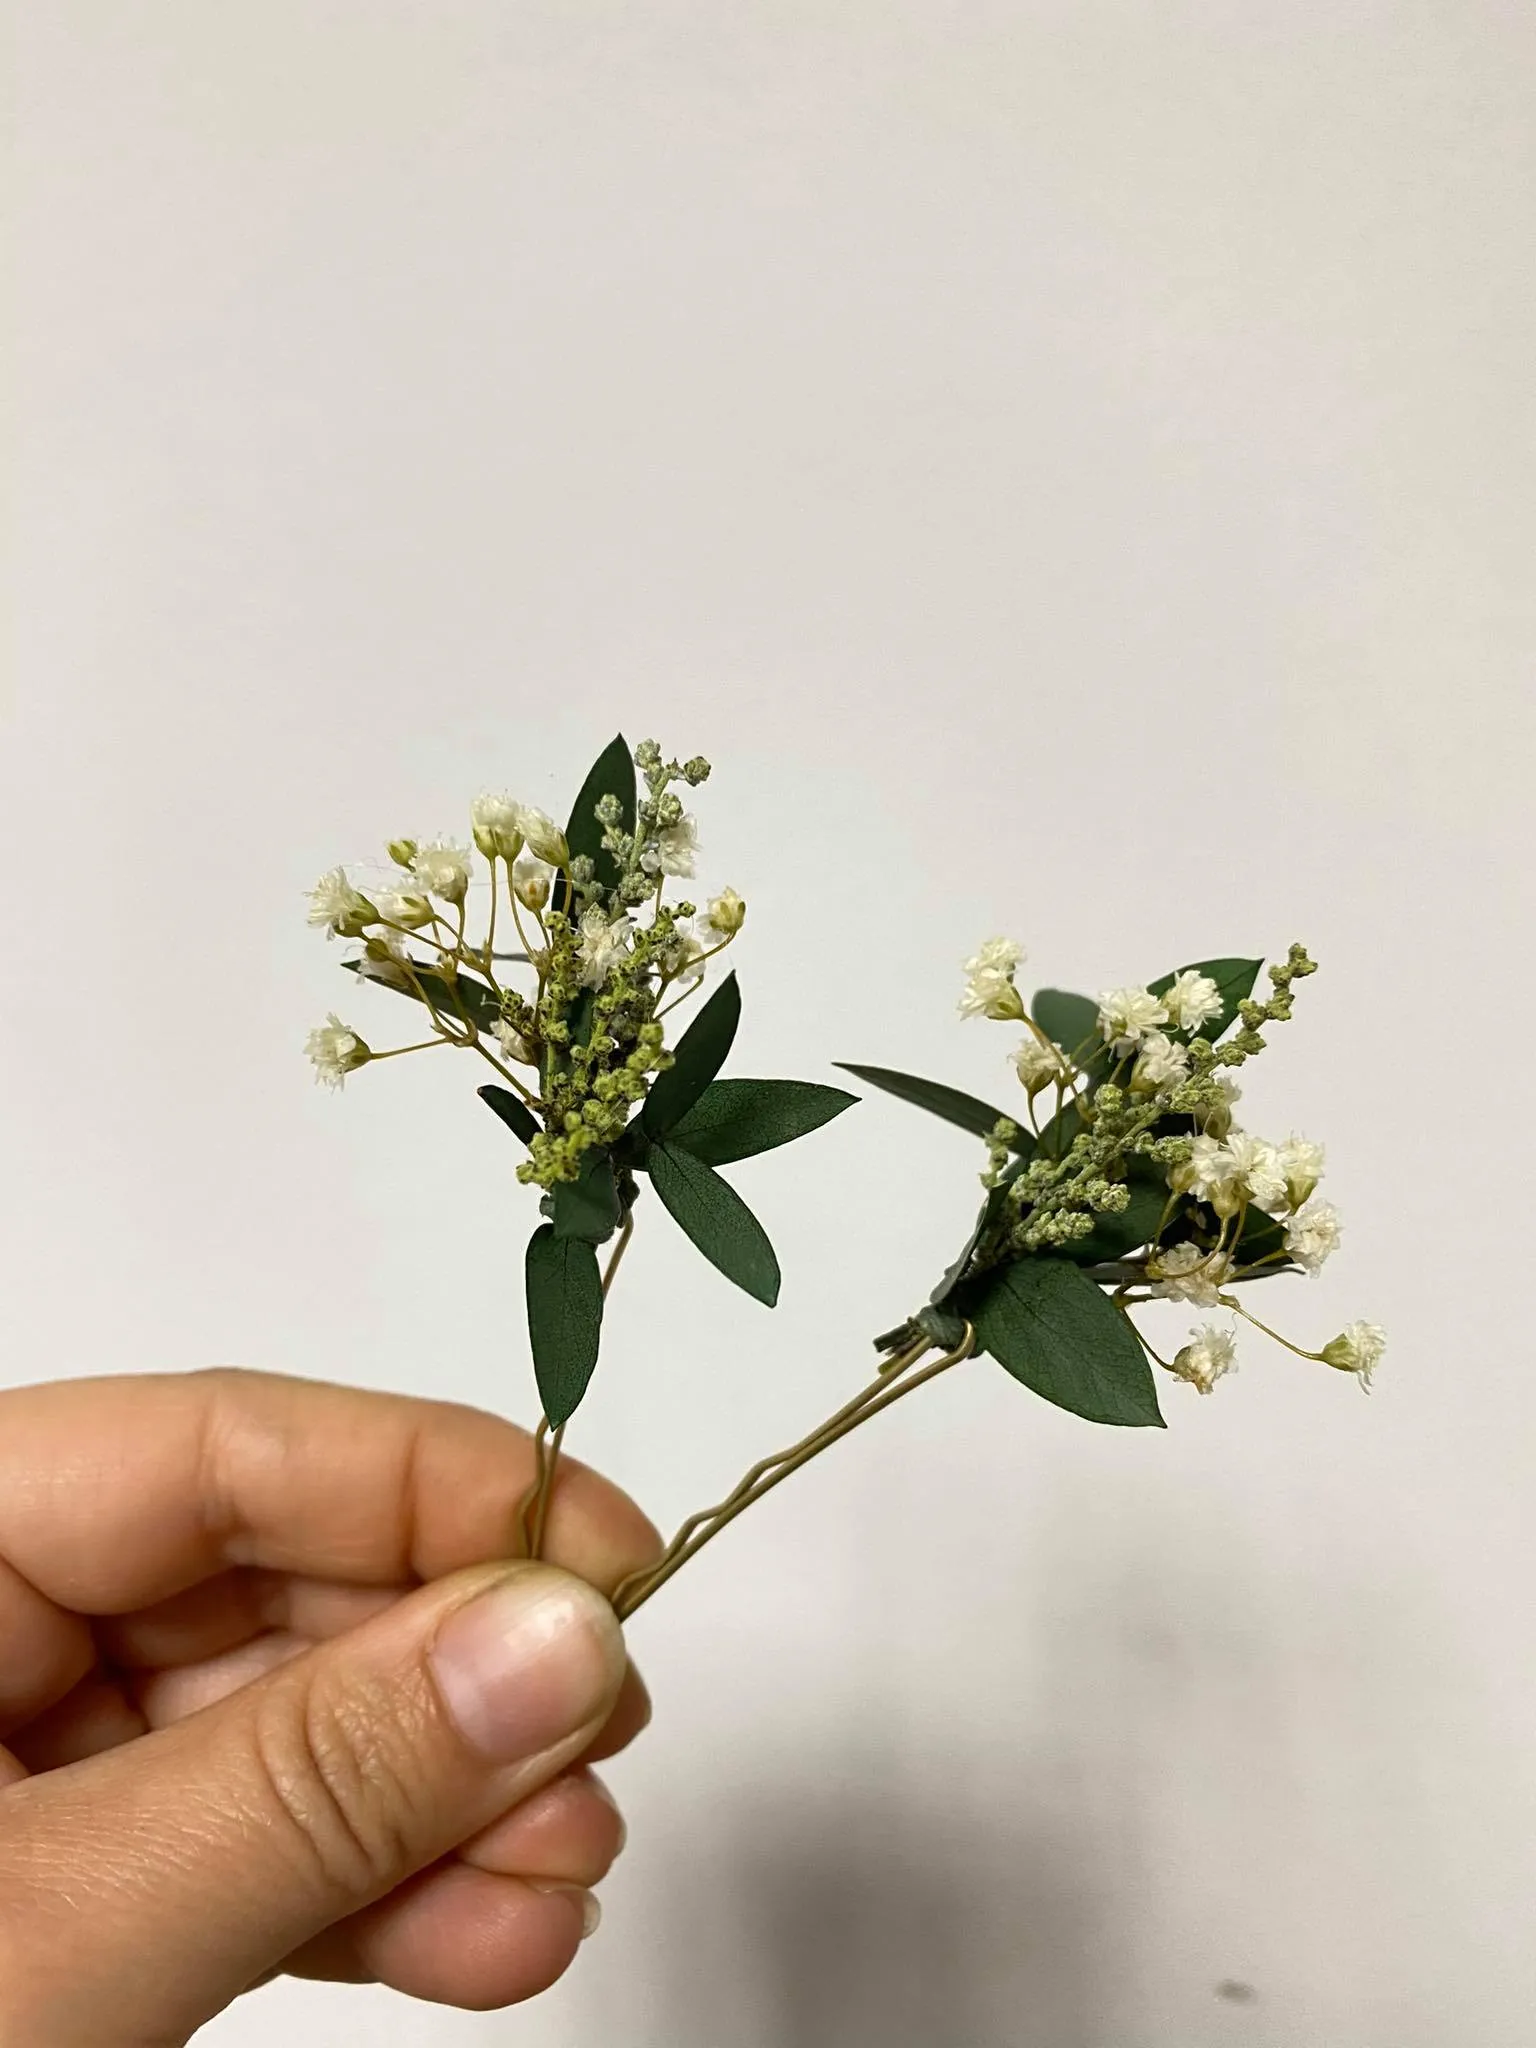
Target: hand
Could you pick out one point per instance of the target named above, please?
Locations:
(272, 1703)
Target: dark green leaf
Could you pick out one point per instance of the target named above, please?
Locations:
(991, 1209)
(1234, 980)
(696, 1059)
(611, 774)
(477, 1001)
(565, 1318)
(1072, 1020)
(512, 1110)
(737, 1119)
(1046, 1322)
(588, 1207)
(717, 1219)
(950, 1103)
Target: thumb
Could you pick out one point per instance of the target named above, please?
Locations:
(158, 1880)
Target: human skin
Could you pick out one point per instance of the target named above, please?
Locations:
(271, 1699)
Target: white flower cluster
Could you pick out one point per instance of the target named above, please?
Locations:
(989, 989)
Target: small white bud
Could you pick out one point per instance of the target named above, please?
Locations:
(544, 837)
(494, 820)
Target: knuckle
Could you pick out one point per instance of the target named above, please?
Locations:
(334, 1779)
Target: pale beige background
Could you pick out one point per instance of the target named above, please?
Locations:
(1071, 465)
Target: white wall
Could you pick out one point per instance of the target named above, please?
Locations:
(1071, 468)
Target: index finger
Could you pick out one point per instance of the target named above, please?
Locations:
(115, 1493)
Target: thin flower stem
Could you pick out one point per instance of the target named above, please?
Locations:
(486, 1054)
(534, 1512)
(638, 1588)
(422, 1045)
(1316, 1357)
(890, 1370)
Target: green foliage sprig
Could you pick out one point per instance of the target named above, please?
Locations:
(1123, 1177)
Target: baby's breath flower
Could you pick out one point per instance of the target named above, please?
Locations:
(1217, 1116)
(673, 849)
(1299, 1164)
(1161, 1061)
(398, 906)
(989, 989)
(514, 1045)
(1358, 1349)
(1208, 1172)
(725, 914)
(1203, 1362)
(336, 1050)
(1312, 1235)
(1192, 1000)
(1255, 1169)
(340, 909)
(604, 943)
(1126, 1015)
(496, 827)
(531, 878)
(1038, 1066)
(544, 837)
(441, 868)
(385, 959)
(682, 961)
(401, 851)
(1186, 1273)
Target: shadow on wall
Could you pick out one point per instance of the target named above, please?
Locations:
(862, 1925)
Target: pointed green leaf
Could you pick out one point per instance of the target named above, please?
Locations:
(952, 1104)
(738, 1119)
(588, 1207)
(1046, 1322)
(696, 1059)
(717, 1219)
(565, 1318)
(611, 774)
(1072, 1020)
(512, 1110)
(1234, 981)
(478, 1002)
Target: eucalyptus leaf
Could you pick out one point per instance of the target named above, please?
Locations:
(1234, 981)
(738, 1119)
(479, 1002)
(611, 774)
(696, 1059)
(589, 1206)
(1071, 1020)
(711, 1212)
(1046, 1322)
(952, 1104)
(565, 1318)
(512, 1110)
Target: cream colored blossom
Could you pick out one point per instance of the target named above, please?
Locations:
(336, 1051)
(1312, 1235)
(1040, 1066)
(989, 989)
(441, 868)
(1299, 1164)
(531, 879)
(544, 837)
(725, 914)
(1186, 1273)
(604, 943)
(1358, 1348)
(674, 849)
(340, 909)
(1161, 1061)
(1193, 1000)
(1126, 1015)
(1211, 1355)
(496, 821)
(513, 1044)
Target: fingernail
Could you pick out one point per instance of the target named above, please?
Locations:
(527, 1662)
(591, 1906)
